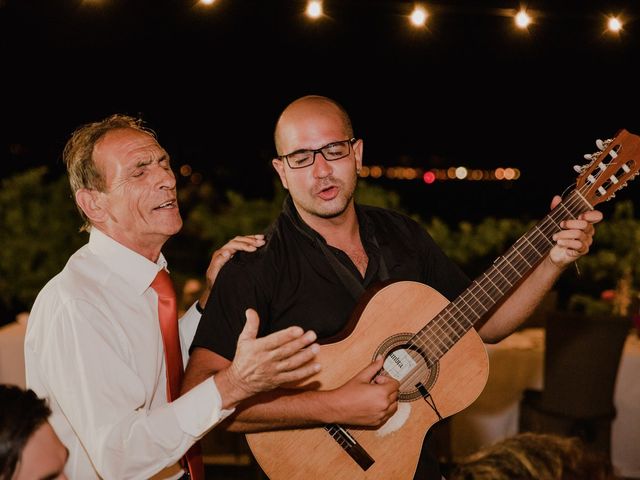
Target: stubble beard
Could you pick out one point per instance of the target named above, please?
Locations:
(343, 203)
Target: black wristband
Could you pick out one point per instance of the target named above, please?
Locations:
(199, 308)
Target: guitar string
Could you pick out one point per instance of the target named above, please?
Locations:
(463, 310)
(538, 246)
(573, 200)
(507, 277)
(474, 294)
(418, 372)
(499, 270)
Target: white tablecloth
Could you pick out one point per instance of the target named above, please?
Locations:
(516, 364)
(12, 351)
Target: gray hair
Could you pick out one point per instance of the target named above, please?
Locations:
(78, 154)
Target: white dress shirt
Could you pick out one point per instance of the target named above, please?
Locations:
(93, 348)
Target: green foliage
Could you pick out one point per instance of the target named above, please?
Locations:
(589, 305)
(616, 248)
(214, 221)
(39, 231)
(211, 219)
(613, 264)
(474, 247)
(217, 222)
(368, 194)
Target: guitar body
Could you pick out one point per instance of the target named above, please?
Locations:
(453, 383)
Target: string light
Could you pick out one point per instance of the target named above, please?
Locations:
(314, 9)
(522, 19)
(376, 172)
(429, 178)
(614, 24)
(419, 16)
(509, 173)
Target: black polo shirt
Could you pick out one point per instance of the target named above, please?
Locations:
(291, 281)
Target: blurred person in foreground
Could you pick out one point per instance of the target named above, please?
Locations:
(29, 448)
(94, 345)
(535, 456)
(321, 254)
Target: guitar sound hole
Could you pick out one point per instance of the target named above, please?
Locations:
(407, 364)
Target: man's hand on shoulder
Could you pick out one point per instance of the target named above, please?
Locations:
(245, 243)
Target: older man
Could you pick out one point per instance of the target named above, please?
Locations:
(103, 343)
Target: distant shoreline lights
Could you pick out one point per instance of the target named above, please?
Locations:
(440, 174)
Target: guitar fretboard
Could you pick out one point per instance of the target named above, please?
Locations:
(459, 316)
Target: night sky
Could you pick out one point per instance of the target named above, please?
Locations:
(468, 90)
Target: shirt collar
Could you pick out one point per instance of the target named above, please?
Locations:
(289, 210)
(367, 230)
(134, 269)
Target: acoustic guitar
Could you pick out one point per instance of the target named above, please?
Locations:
(429, 345)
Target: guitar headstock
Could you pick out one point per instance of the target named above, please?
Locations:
(610, 168)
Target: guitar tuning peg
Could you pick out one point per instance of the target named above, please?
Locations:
(578, 168)
(600, 144)
(588, 156)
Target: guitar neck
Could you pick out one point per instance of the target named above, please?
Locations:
(459, 316)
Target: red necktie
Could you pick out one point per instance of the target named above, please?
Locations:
(168, 314)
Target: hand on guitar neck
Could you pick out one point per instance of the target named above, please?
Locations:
(571, 241)
(575, 238)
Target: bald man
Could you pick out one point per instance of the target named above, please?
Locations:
(321, 254)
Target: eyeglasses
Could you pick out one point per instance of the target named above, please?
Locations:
(330, 152)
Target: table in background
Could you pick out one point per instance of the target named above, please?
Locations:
(12, 351)
(516, 364)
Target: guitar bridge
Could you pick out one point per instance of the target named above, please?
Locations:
(351, 446)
